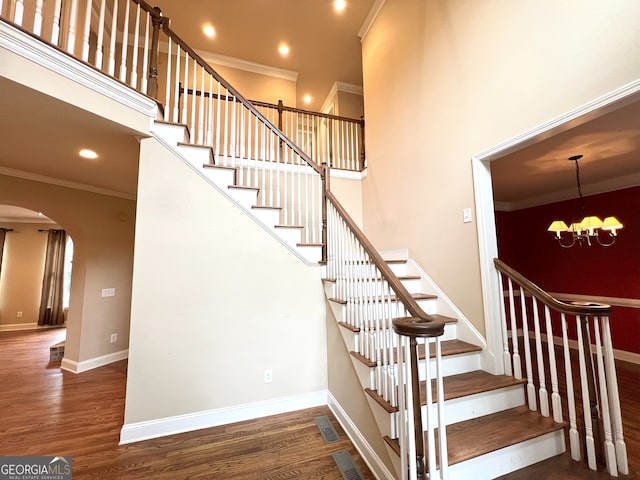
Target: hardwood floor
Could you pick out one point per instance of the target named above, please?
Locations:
(46, 411)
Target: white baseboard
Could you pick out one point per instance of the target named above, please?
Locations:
(83, 366)
(371, 458)
(135, 432)
(15, 327)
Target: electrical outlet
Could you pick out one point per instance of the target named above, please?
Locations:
(108, 292)
(466, 215)
(19, 314)
(114, 337)
(268, 376)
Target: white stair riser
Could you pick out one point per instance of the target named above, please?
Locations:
(291, 236)
(478, 405)
(453, 364)
(510, 459)
(221, 177)
(173, 134)
(196, 155)
(312, 254)
(245, 197)
(268, 216)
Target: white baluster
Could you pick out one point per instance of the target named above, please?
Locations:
(430, 464)
(125, 39)
(37, 18)
(517, 365)
(442, 431)
(183, 113)
(574, 436)
(542, 388)
(145, 57)
(176, 83)
(609, 448)
(225, 130)
(167, 89)
(210, 113)
(506, 355)
(18, 14)
(589, 440)
(531, 389)
(134, 59)
(201, 130)
(112, 41)
(194, 89)
(71, 32)
(99, 48)
(556, 400)
(85, 34)
(614, 396)
(218, 123)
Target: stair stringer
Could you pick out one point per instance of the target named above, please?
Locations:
(349, 403)
(465, 330)
(243, 206)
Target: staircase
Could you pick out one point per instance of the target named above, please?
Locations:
(490, 430)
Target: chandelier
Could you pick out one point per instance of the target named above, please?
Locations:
(587, 230)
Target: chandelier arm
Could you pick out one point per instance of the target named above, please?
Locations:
(573, 241)
(613, 240)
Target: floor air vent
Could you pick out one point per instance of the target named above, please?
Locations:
(346, 466)
(326, 429)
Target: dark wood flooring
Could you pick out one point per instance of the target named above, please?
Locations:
(46, 411)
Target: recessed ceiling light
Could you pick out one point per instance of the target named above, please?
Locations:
(283, 49)
(339, 5)
(307, 99)
(209, 31)
(86, 153)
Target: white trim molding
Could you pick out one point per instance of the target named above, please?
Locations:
(339, 87)
(138, 431)
(59, 62)
(85, 365)
(370, 457)
(247, 66)
(483, 193)
(371, 17)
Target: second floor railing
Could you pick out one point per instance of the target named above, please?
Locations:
(532, 323)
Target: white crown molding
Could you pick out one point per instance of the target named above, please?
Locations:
(368, 454)
(339, 87)
(246, 65)
(35, 177)
(161, 427)
(59, 62)
(611, 185)
(373, 13)
(79, 367)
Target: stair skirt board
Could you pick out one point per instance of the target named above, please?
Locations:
(161, 427)
(370, 457)
(243, 198)
(509, 459)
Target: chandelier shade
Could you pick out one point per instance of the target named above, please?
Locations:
(584, 231)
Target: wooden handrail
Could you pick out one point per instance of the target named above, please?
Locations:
(423, 323)
(284, 108)
(574, 308)
(247, 104)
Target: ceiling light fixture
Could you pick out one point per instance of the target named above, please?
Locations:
(86, 153)
(209, 31)
(585, 230)
(283, 49)
(307, 99)
(339, 5)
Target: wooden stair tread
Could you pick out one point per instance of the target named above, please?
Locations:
(489, 433)
(401, 277)
(189, 144)
(224, 167)
(310, 244)
(393, 298)
(290, 226)
(456, 386)
(265, 207)
(242, 187)
(449, 347)
(482, 435)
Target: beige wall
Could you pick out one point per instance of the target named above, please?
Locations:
(216, 301)
(350, 105)
(255, 86)
(21, 273)
(102, 230)
(445, 80)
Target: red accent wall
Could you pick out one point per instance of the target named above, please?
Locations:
(525, 245)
